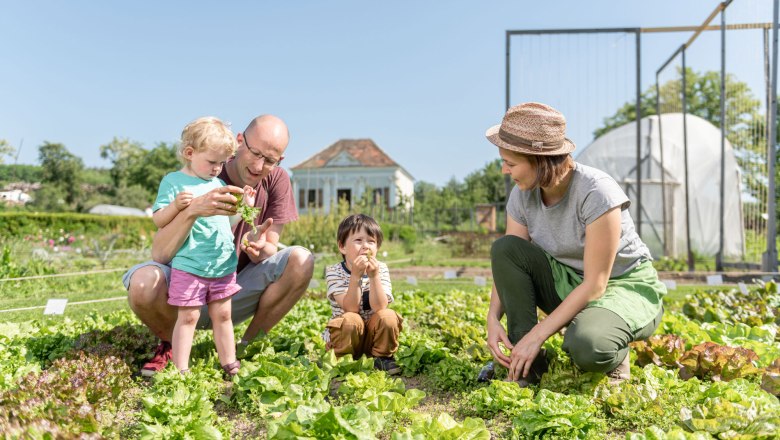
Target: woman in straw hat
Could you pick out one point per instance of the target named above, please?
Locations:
(570, 249)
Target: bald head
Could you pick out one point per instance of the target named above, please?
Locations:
(269, 130)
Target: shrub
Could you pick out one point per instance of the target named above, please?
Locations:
(39, 226)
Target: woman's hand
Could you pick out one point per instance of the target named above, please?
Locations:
(523, 355)
(497, 334)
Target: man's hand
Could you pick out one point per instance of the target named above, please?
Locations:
(252, 244)
(183, 200)
(218, 201)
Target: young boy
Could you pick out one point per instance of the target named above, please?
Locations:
(359, 291)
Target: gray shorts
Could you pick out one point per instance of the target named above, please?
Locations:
(253, 279)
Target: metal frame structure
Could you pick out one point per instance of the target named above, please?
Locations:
(637, 32)
(769, 260)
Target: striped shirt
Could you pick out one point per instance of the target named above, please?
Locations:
(337, 277)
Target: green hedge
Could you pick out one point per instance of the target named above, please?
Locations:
(41, 226)
(317, 231)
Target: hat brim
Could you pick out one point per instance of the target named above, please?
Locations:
(492, 135)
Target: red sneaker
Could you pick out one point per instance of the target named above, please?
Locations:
(162, 355)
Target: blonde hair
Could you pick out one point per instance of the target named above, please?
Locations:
(207, 133)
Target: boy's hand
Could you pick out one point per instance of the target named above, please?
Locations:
(183, 200)
(359, 265)
(249, 195)
(372, 265)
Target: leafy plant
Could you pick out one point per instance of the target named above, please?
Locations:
(660, 350)
(416, 351)
(498, 397)
(379, 392)
(756, 307)
(562, 375)
(560, 416)
(319, 419)
(453, 373)
(770, 381)
(130, 343)
(444, 427)
(247, 213)
(266, 387)
(103, 248)
(716, 362)
(737, 409)
(656, 433)
(182, 412)
(78, 395)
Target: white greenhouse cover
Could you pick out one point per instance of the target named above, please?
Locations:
(116, 210)
(615, 153)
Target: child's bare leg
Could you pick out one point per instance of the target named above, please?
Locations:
(222, 323)
(183, 333)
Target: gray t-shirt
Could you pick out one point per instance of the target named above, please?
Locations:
(560, 229)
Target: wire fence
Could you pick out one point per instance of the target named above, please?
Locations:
(705, 89)
(691, 150)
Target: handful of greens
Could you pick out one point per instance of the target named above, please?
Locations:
(247, 213)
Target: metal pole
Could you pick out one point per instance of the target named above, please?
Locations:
(507, 45)
(691, 263)
(664, 239)
(638, 134)
(507, 180)
(719, 255)
(767, 96)
(769, 263)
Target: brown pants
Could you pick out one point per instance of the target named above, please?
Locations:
(349, 334)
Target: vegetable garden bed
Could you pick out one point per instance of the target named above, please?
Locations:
(80, 379)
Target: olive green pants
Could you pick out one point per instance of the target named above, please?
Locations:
(596, 339)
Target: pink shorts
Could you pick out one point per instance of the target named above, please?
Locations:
(188, 290)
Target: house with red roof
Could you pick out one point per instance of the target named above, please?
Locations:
(351, 169)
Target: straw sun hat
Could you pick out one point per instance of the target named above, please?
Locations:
(532, 128)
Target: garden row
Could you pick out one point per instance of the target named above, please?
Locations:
(701, 376)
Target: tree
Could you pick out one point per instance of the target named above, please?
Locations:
(452, 204)
(137, 172)
(5, 150)
(487, 184)
(60, 169)
(745, 123)
(702, 99)
(124, 154)
(157, 162)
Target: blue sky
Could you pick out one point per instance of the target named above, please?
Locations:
(423, 79)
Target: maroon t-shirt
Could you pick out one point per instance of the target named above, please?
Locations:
(275, 200)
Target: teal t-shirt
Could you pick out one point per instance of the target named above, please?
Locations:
(209, 250)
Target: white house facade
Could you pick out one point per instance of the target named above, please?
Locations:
(15, 196)
(347, 170)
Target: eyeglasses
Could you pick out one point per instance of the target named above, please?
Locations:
(267, 161)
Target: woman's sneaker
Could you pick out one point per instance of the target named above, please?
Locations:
(387, 364)
(621, 372)
(487, 373)
(162, 355)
